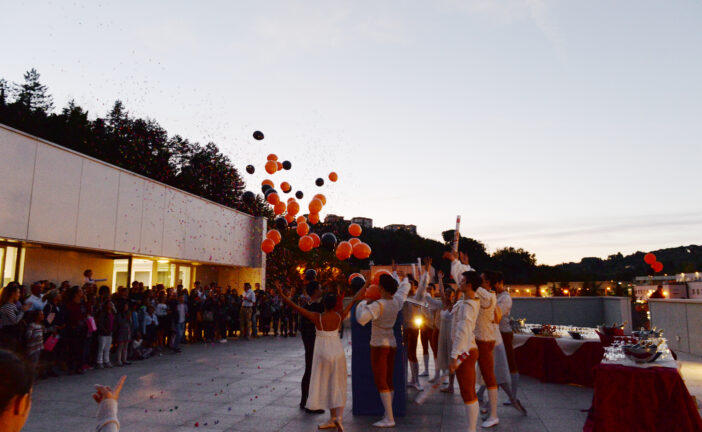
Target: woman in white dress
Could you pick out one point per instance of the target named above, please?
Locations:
(328, 380)
(446, 317)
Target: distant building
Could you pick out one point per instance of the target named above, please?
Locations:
(399, 227)
(330, 218)
(364, 222)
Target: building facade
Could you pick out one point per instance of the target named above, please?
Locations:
(400, 227)
(62, 212)
(363, 222)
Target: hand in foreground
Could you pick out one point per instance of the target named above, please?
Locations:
(105, 392)
(450, 255)
(464, 258)
(440, 275)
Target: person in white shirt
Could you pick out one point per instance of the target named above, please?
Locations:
(383, 314)
(484, 335)
(465, 314)
(410, 334)
(248, 300)
(89, 277)
(431, 314)
(35, 299)
(504, 302)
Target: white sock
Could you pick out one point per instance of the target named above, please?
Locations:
(426, 363)
(386, 398)
(472, 412)
(492, 395)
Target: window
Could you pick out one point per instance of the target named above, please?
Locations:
(11, 264)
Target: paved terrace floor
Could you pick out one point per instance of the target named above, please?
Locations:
(255, 386)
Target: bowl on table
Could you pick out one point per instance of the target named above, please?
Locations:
(536, 330)
(575, 335)
(641, 353)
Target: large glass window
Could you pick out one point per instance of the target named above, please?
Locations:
(184, 276)
(142, 270)
(8, 259)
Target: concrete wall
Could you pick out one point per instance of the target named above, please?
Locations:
(681, 321)
(577, 311)
(52, 195)
(59, 265)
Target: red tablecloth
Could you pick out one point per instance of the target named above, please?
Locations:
(641, 400)
(542, 358)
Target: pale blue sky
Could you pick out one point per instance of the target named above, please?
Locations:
(567, 128)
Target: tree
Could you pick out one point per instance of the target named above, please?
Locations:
(4, 92)
(33, 94)
(517, 265)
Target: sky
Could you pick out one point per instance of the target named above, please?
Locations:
(569, 129)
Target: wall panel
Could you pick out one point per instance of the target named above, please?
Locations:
(17, 171)
(129, 210)
(97, 209)
(154, 198)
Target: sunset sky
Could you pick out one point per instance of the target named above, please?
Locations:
(569, 129)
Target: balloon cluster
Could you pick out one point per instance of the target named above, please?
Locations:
(287, 211)
(651, 260)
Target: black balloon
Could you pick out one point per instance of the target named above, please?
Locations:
(265, 188)
(250, 169)
(258, 135)
(248, 197)
(329, 240)
(319, 182)
(299, 195)
(270, 191)
(287, 165)
(357, 283)
(281, 223)
(310, 275)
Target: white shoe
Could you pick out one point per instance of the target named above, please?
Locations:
(423, 374)
(416, 386)
(384, 423)
(222, 341)
(490, 422)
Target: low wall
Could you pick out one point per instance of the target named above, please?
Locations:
(577, 311)
(681, 321)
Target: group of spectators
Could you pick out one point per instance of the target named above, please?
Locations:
(77, 328)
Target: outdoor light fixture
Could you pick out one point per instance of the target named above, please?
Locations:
(418, 321)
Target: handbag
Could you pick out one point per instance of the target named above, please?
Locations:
(90, 322)
(50, 343)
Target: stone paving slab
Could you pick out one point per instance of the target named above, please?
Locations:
(255, 386)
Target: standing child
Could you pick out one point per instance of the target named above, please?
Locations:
(383, 346)
(329, 374)
(105, 325)
(35, 337)
(123, 329)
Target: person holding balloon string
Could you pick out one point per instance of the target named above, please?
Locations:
(382, 312)
(327, 388)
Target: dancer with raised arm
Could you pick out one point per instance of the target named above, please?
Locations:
(383, 313)
(431, 314)
(448, 297)
(484, 333)
(465, 316)
(327, 388)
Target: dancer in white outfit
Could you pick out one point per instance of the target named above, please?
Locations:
(445, 319)
(430, 313)
(328, 380)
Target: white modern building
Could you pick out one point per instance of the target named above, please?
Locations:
(62, 212)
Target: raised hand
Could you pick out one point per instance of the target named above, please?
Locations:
(105, 392)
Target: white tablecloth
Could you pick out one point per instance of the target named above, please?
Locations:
(567, 344)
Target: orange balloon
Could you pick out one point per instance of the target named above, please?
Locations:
(267, 245)
(354, 241)
(657, 266)
(285, 186)
(274, 235)
(649, 258)
(268, 182)
(305, 243)
(361, 251)
(373, 292)
(343, 250)
(279, 207)
(271, 167)
(293, 208)
(333, 176)
(355, 229)
(315, 205)
(272, 157)
(301, 219)
(289, 218)
(376, 276)
(316, 239)
(314, 218)
(273, 198)
(321, 197)
(353, 276)
(280, 165)
(303, 229)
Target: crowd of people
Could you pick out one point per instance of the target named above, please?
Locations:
(75, 328)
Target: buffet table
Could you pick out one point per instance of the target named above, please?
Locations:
(558, 360)
(636, 399)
